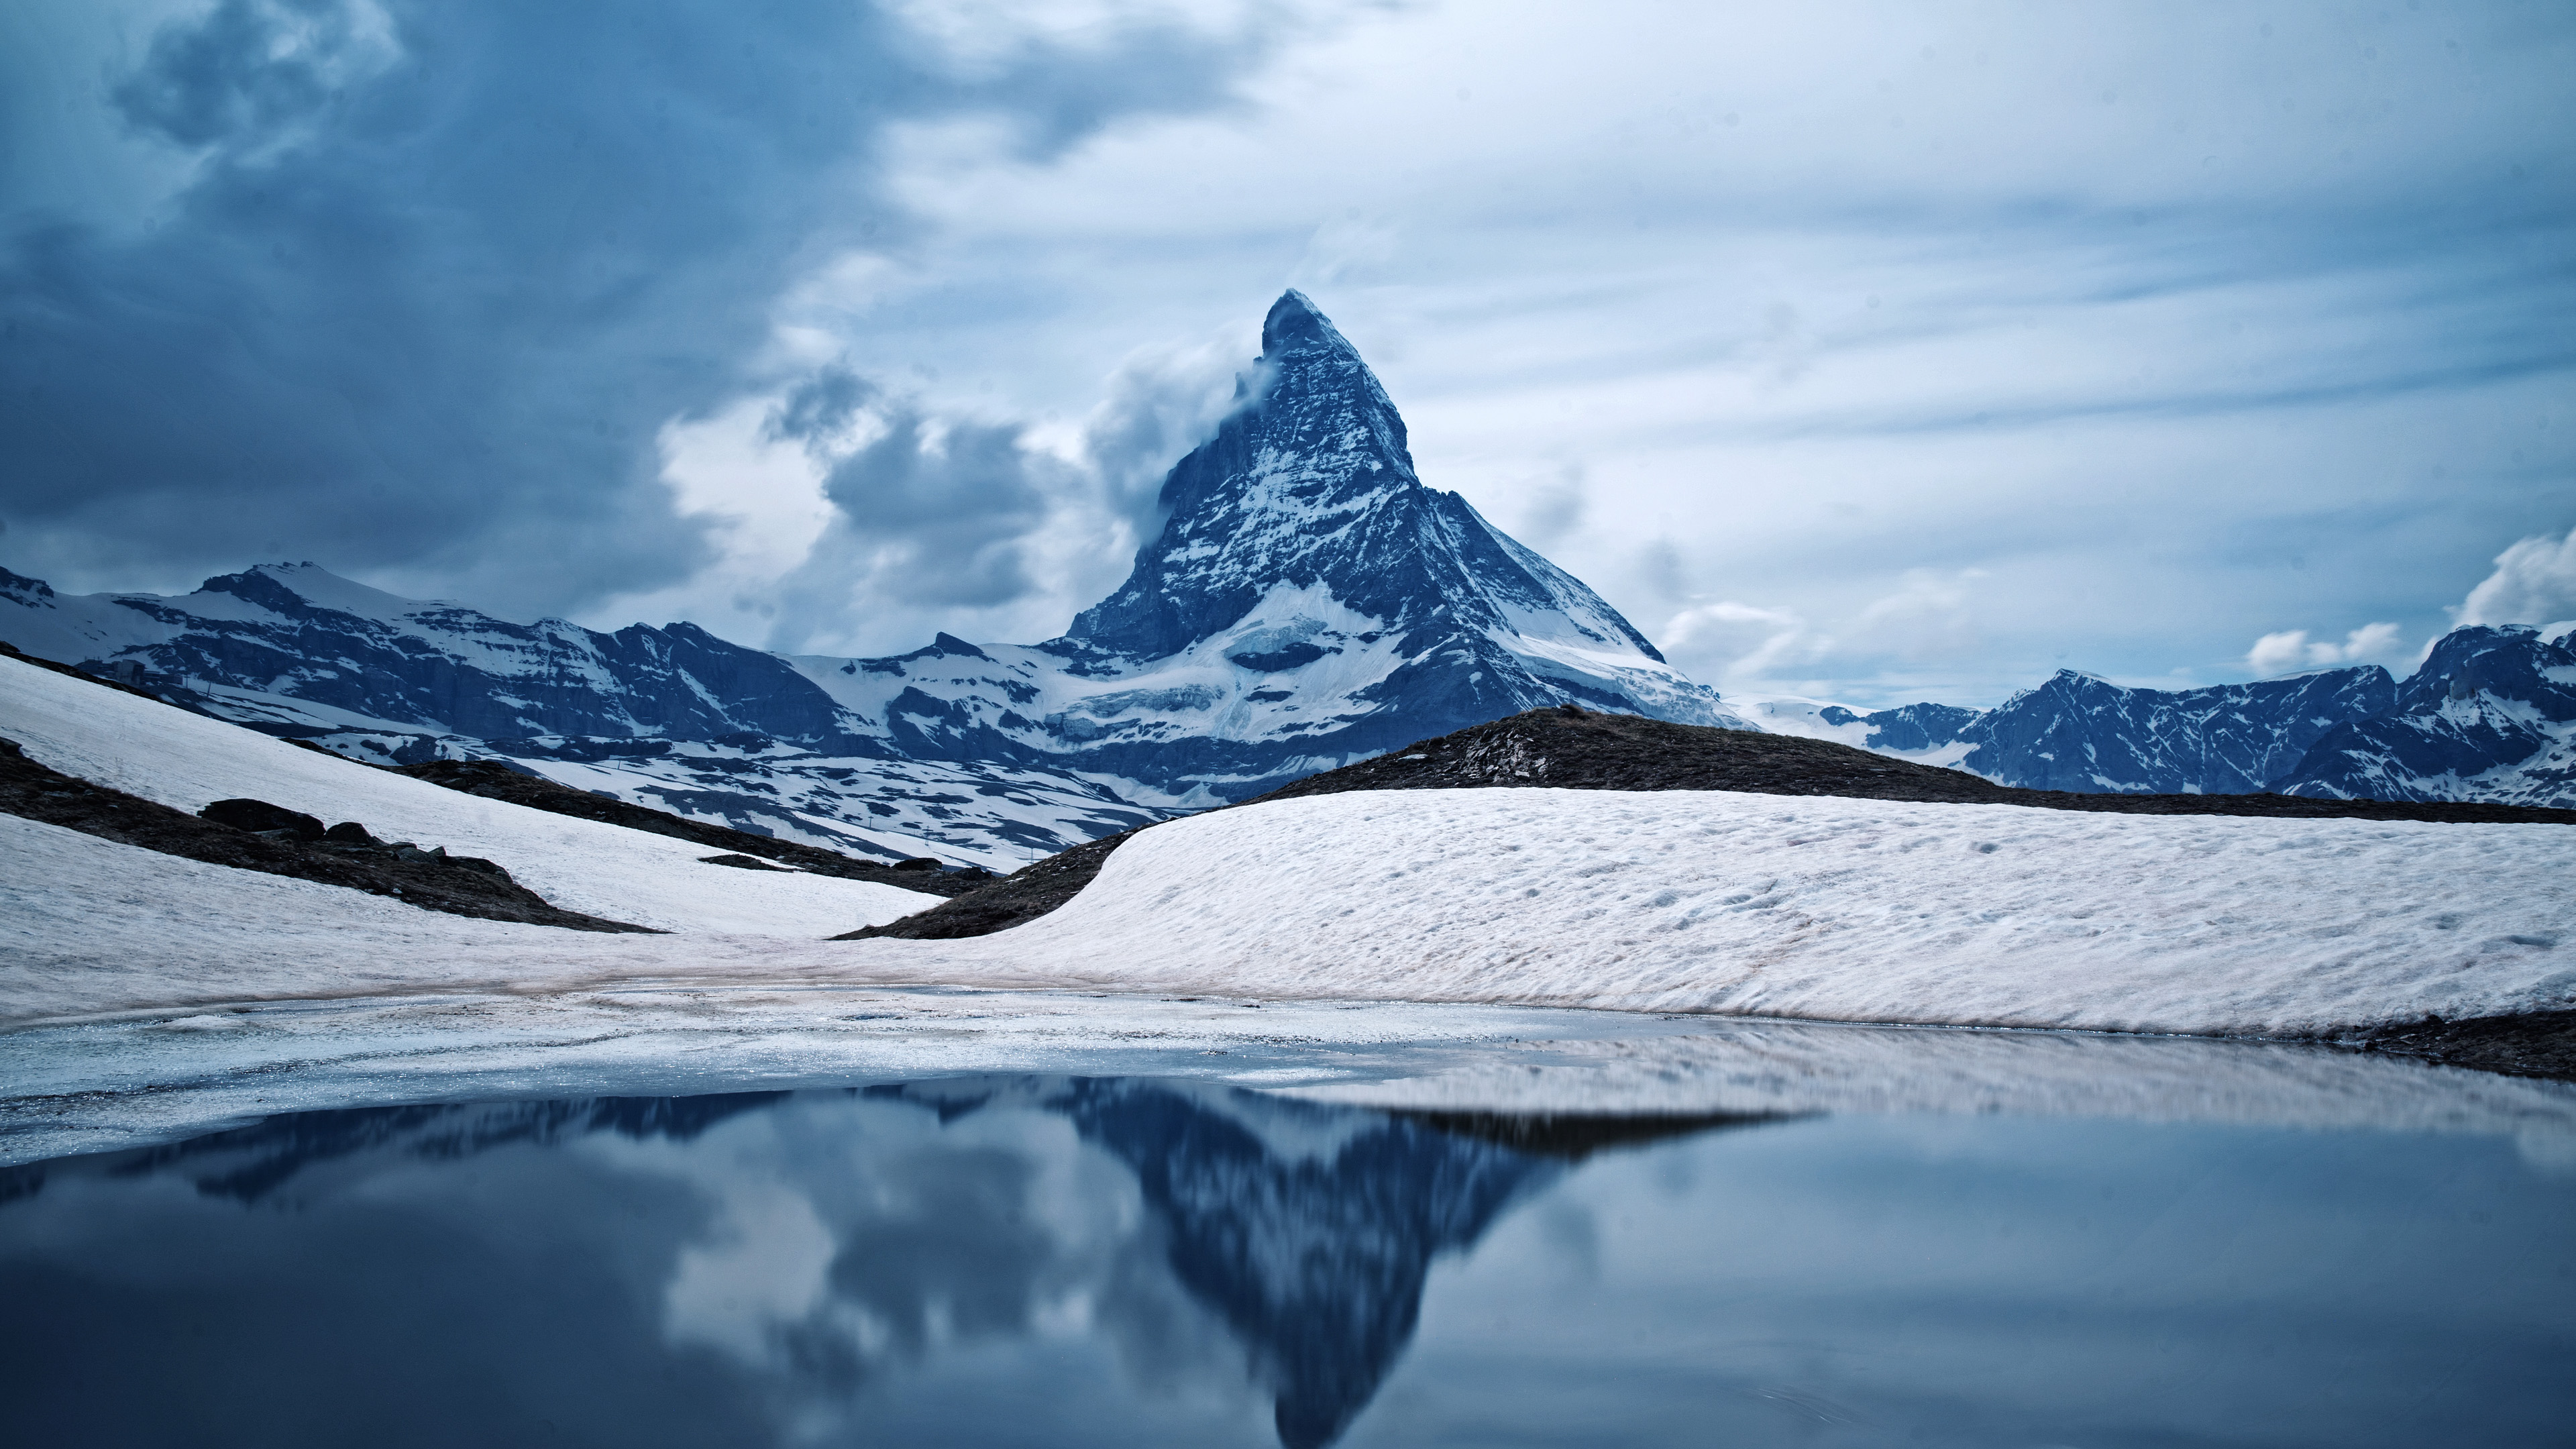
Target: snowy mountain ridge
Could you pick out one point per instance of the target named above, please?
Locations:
(673, 718)
(2489, 716)
(1309, 602)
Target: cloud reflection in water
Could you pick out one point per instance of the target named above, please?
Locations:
(1065, 1261)
(1224, 1250)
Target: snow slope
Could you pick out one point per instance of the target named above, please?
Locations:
(1852, 910)
(186, 761)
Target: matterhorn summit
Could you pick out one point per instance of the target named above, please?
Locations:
(1308, 578)
(1309, 602)
(1310, 487)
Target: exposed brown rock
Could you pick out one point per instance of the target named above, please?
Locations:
(495, 781)
(458, 886)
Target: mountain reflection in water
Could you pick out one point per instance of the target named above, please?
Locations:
(820, 1240)
(1315, 1251)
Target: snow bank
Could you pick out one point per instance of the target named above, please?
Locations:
(1847, 910)
(94, 925)
(186, 761)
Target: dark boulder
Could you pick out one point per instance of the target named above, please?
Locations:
(918, 862)
(349, 832)
(258, 816)
(1295, 656)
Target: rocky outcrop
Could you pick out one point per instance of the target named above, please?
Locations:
(431, 880)
(493, 780)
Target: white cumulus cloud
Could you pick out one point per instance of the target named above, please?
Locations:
(2292, 649)
(2534, 583)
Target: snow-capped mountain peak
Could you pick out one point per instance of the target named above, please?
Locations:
(1307, 602)
(285, 588)
(2490, 715)
(1311, 483)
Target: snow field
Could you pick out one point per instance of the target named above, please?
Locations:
(95, 926)
(187, 761)
(1830, 909)
(1848, 910)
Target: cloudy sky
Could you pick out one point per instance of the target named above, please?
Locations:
(1877, 352)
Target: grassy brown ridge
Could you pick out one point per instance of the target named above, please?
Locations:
(2532, 1044)
(1573, 749)
(1023, 895)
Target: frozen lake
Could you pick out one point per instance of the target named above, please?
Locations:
(980, 1219)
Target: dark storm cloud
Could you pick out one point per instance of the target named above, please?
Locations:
(934, 511)
(820, 409)
(926, 511)
(244, 68)
(444, 270)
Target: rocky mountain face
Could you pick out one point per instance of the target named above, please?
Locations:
(1309, 602)
(2077, 732)
(2489, 716)
(304, 647)
(1300, 533)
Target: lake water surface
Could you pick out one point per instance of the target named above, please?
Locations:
(1067, 1260)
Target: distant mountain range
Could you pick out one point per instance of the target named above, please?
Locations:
(2490, 715)
(1308, 603)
